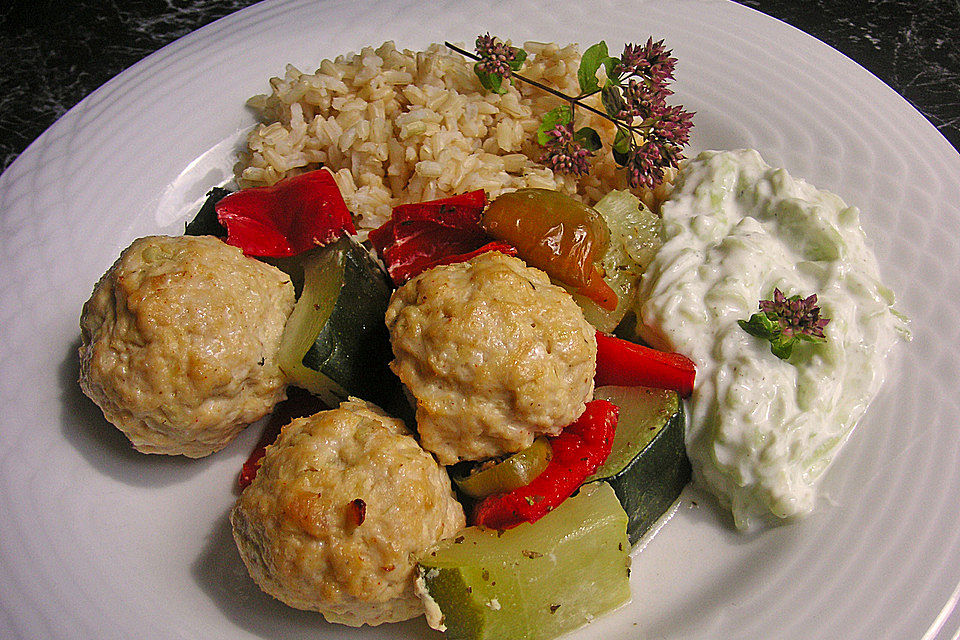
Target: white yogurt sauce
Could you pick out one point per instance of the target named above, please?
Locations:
(763, 430)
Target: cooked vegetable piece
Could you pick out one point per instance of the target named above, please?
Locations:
(639, 227)
(508, 474)
(422, 235)
(621, 362)
(295, 215)
(469, 205)
(648, 467)
(556, 233)
(322, 280)
(205, 223)
(335, 343)
(634, 240)
(494, 245)
(577, 452)
(536, 581)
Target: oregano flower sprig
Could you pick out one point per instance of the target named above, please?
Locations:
(496, 61)
(650, 134)
(786, 321)
(567, 152)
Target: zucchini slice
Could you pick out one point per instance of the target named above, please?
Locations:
(648, 467)
(335, 343)
(535, 581)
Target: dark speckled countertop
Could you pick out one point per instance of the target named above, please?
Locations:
(52, 54)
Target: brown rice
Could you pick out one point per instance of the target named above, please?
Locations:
(403, 126)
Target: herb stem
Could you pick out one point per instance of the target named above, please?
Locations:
(543, 87)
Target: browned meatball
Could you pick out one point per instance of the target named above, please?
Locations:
(493, 353)
(180, 341)
(342, 505)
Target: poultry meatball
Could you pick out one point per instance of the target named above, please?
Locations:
(342, 504)
(180, 341)
(494, 354)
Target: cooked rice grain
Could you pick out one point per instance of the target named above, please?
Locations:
(403, 126)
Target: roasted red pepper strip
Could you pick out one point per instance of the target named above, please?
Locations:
(423, 235)
(627, 364)
(496, 245)
(249, 470)
(470, 205)
(409, 247)
(295, 215)
(578, 451)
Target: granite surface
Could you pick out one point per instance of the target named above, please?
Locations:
(52, 54)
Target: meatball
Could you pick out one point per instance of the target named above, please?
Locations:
(493, 352)
(343, 503)
(180, 341)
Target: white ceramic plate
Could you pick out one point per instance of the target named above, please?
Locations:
(97, 541)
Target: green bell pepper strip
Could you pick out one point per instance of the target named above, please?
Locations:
(578, 451)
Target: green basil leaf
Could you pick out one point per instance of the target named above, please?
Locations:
(782, 347)
(612, 100)
(620, 157)
(751, 328)
(621, 141)
(519, 57)
(610, 66)
(588, 138)
(558, 115)
(489, 81)
(768, 324)
(760, 326)
(590, 62)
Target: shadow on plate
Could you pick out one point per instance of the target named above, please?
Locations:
(104, 446)
(220, 573)
(704, 510)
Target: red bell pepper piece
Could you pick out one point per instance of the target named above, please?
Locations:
(423, 235)
(495, 245)
(249, 470)
(578, 451)
(599, 291)
(627, 364)
(295, 215)
(462, 210)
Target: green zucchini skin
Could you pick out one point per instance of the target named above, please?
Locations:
(653, 478)
(353, 344)
(647, 491)
(352, 349)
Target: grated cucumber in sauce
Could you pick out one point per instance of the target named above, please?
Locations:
(763, 430)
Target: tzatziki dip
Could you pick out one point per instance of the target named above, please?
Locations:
(763, 429)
